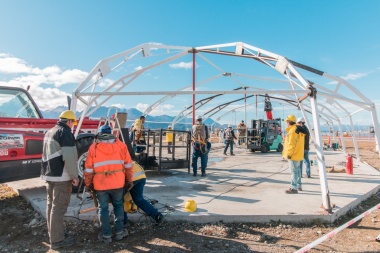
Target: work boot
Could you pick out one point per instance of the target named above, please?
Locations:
(232, 154)
(224, 153)
(159, 219)
(203, 174)
(291, 191)
(308, 176)
(120, 235)
(194, 174)
(299, 189)
(101, 238)
(64, 243)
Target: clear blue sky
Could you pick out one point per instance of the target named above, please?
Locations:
(65, 39)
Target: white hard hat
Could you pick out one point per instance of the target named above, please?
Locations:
(229, 125)
(301, 120)
(199, 117)
(170, 126)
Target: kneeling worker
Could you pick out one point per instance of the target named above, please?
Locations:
(137, 192)
(108, 169)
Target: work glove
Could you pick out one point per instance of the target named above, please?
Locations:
(289, 157)
(89, 188)
(128, 186)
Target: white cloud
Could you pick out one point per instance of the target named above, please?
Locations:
(29, 75)
(182, 65)
(13, 65)
(159, 110)
(354, 76)
(141, 107)
(17, 72)
(120, 106)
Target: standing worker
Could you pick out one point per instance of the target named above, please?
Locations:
(169, 138)
(301, 127)
(221, 136)
(201, 146)
(139, 134)
(293, 152)
(108, 170)
(59, 170)
(229, 135)
(242, 128)
(137, 195)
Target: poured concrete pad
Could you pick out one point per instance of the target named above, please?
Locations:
(247, 187)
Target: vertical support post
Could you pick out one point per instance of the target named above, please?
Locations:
(376, 127)
(320, 155)
(193, 87)
(354, 139)
(245, 118)
(333, 132)
(341, 136)
(159, 150)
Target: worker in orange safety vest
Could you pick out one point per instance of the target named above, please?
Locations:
(108, 170)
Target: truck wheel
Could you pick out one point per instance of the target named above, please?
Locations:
(264, 147)
(280, 147)
(83, 143)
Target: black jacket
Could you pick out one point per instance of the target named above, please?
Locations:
(303, 129)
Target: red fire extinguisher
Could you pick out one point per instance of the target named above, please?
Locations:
(349, 165)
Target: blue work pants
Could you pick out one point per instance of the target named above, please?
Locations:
(202, 152)
(137, 194)
(116, 195)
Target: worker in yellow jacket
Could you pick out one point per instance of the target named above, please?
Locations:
(137, 192)
(169, 138)
(294, 152)
(139, 138)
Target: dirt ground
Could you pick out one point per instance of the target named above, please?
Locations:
(24, 230)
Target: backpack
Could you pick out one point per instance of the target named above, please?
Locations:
(228, 134)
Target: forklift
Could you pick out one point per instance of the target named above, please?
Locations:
(265, 135)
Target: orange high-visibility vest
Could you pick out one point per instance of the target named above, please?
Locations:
(108, 166)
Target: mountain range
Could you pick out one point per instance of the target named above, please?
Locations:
(152, 122)
(162, 121)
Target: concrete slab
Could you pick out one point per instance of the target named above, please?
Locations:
(248, 187)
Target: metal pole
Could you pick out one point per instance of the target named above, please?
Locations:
(320, 154)
(376, 127)
(245, 118)
(354, 139)
(341, 136)
(193, 87)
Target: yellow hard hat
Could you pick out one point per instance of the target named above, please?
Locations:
(190, 205)
(290, 118)
(69, 115)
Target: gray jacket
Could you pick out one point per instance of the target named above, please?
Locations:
(59, 157)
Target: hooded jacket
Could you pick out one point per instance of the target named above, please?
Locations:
(108, 166)
(294, 144)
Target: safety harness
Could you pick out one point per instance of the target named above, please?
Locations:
(199, 139)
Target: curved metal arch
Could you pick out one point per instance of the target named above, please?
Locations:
(287, 68)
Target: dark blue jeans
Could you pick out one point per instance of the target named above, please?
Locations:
(307, 162)
(203, 154)
(231, 144)
(116, 196)
(137, 194)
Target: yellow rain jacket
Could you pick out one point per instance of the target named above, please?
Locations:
(294, 144)
(169, 136)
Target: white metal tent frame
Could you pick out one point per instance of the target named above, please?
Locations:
(93, 93)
